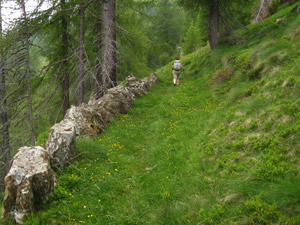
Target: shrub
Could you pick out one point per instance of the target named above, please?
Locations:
(223, 75)
(260, 212)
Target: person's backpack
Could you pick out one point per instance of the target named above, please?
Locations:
(177, 65)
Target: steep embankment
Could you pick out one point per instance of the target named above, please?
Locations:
(221, 148)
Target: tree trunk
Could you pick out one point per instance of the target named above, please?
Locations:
(108, 70)
(98, 86)
(114, 72)
(27, 61)
(214, 33)
(5, 153)
(65, 45)
(80, 88)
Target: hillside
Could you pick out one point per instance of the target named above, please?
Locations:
(221, 148)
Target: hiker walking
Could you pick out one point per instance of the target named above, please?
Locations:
(176, 68)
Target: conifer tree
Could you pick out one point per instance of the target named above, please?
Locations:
(108, 67)
(27, 64)
(98, 44)
(165, 28)
(133, 44)
(5, 148)
(212, 6)
(81, 51)
(192, 39)
(215, 9)
(64, 55)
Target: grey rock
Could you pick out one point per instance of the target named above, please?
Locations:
(28, 183)
(61, 143)
(136, 86)
(280, 20)
(153, 79)
(122, 95)
(88, 120)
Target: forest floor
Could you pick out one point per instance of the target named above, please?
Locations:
(223, 147)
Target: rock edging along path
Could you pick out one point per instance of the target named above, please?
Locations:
(31, 177)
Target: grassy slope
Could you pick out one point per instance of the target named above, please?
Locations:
(222, 148)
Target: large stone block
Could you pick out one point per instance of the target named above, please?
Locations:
(153, 79)
(122, 95)
(61, 143)
(139, 87)
(88, 120)
(28, 183)
(136, 86)
(110, 105)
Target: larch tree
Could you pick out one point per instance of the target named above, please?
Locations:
(169, 22)
(64, 56)
(27, 64)
(215, 9)
(165, 27)
(5, 147)
(192, 39)
(212, 6)
(108, 65)
(81, 52)
(132, 42)
(98, 76)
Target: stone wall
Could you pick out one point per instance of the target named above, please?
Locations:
(31, 178)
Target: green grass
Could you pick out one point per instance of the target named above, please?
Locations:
(202, 152)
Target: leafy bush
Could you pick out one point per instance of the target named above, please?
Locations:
(260, 212)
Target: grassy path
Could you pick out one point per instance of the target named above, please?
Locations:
(222, 148)
(146, 168)
(190, 154)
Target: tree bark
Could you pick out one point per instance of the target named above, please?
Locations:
(108, 67)
(64, 54)
(114, 70)
(98, 86)
(27, 61)
(80, 88)
(214, 33)
(5, 147)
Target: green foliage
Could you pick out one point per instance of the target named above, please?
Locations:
(260, 212)
(163, 27)
(278, 5)
(37, 61)
(31, 220)
(231, 16)
(133, 43)
(241, 59)
(192, 39)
